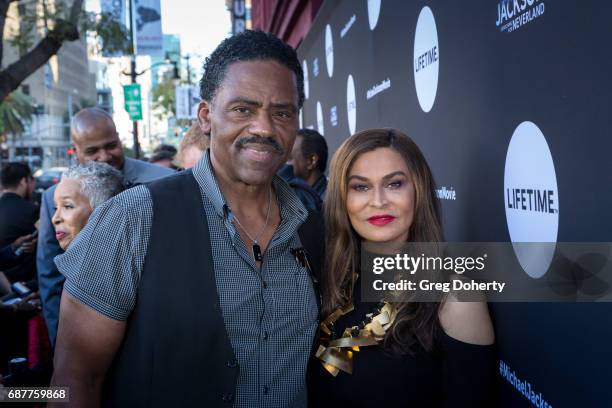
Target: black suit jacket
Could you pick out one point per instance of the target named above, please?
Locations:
(17, 218)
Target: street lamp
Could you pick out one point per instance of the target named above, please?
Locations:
(175, 74)
(133, 75)
(70, 103)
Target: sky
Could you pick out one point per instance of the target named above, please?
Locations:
(201, 24)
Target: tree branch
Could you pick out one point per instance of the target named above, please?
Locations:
(75, 11)
(16, 73)
(4, 6)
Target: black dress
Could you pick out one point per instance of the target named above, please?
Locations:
(457, 375)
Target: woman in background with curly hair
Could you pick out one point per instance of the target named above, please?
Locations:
(436, 354)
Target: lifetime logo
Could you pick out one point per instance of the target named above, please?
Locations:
(426, 59)
(531, 199)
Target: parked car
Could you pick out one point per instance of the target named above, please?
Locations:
(47, 178)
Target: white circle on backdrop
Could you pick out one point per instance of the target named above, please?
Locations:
(329, 51)
(305, 69)
(531, 199)
(373, 12)
(351, 104)
(426, 59)
(320, 126)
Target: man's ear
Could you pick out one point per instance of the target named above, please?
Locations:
(313, 160)
(204, 117)
(23, 183)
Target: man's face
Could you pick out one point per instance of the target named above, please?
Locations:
(31, 185)
(27, 185)
(99, 142)
(252, 121)
(300, 164)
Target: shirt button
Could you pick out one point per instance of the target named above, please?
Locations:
(232, 363)
(265, 390)
(265, 336)
(265, 285)
(227, 397)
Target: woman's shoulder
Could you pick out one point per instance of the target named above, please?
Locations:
(468, 322)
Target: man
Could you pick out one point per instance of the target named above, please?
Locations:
(164, 155)
(309, 159)
(17, 216)
(95, 138)
(210, 294)
(11, 254)
(305, 193)
(163, 158)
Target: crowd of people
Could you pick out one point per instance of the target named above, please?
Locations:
(230, 269)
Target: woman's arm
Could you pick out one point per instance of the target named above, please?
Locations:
(468, 322)
(469, 355)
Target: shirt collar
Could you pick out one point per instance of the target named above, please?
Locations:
(204, 175)
(290, 204)
(320, 185)
(11, 194)
(128, 170)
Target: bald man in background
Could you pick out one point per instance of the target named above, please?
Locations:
(95, 138)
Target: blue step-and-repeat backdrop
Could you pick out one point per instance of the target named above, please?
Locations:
(510, 102)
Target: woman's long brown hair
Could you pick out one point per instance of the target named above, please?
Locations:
(416, 323)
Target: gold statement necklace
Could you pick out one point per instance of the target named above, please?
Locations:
(337, 354)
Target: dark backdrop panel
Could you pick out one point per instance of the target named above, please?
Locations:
(554, 71)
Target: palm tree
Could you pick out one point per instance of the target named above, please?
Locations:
(15, 113)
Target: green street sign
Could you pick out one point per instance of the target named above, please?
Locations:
(133, 103)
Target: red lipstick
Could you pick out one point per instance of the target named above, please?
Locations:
(381, 220)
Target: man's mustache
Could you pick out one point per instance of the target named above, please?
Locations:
(261, 140)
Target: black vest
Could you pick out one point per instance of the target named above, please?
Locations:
(176, 352)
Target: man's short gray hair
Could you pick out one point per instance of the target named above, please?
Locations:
(99, 181)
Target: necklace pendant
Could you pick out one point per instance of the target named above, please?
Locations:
(257, 252)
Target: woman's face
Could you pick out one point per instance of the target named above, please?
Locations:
(190, 156)
(380, 197)
(72, 210)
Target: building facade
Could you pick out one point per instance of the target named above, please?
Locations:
(59, 88)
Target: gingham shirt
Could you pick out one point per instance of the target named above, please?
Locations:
(270, 314)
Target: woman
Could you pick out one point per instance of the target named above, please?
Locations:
(432, 354)
(81, 189)
(192, 147)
